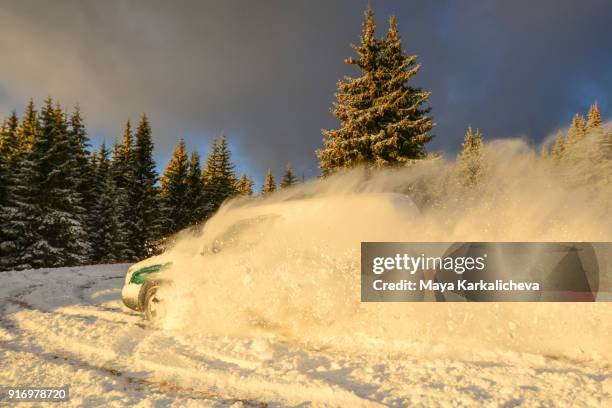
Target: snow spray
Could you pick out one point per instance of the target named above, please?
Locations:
(287, 265)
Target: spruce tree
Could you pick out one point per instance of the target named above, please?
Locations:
(143, 195)
(9, 139)
(382, 118)
(123, 176)
(18, 226)
(175, 190)
(210, 177)
(269, 185)
(209, 172)
(470, 160)
(218, 175)
(108, 239)
(9, 149)
(60, 236)
(593, 118)
(11, 229)
(289, 177)
(195, 190)
(29, 127)
(226, 181)
(558, 149)
(350, 145)
(123, 159)
(576, 131)
(85, 177)
(245, 185)
(403, 121)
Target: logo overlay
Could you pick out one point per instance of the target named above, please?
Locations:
(485, 272)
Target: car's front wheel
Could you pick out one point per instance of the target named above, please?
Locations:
(154, 305)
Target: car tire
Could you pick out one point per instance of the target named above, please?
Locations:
(154, 307)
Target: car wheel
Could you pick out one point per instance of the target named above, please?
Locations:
(154, 305)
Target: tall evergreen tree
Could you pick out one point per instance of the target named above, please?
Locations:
(209, 172)
(195, 190)
(403, 122)
(350, 145)
(594, 118)
(17, 217)
(381, 116)
(558, 149)
(209, 178)
(123, 159)
(28, 128)
(289, 177)
(108, 238)
(175, 190)
(122, 172)
(11, 229)
(218, 174)
(226, 177)
(9, 139)
(143, 195)
(85, 177)
(269, 185)
(470, 160)
(9, 148)
(60, 236)
(245, 185)
(577, 131)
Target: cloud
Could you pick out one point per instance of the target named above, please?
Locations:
(266, 74)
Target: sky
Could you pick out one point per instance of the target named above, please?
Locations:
(265, 72)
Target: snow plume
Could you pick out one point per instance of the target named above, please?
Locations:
(288, 265)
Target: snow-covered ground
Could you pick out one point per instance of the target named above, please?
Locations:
(68, 326)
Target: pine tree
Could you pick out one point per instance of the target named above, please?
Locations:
(28, 128)
(577, 130)
(382, 118)
(60, 236)
(85, 174)
(9, 149)
(245, 185)
(226, 181)
(209, 178)
(195, 191)
(289, 177)
(123, 159)
(108, 238)
(350, 145)
(558, 149)
(9, 139)
(218, 175)
(122, 172)
(593, 118)
(209, 172)
(174, 191)
(17, 227)
(470, 160)
(143, 195)
(404, 124)
(11, 156)
(269, 185)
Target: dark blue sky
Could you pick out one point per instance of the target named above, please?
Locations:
(265, 72)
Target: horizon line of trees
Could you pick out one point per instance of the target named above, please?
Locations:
(585, 143)
(63, 205)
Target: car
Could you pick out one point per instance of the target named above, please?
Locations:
(142, 290)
